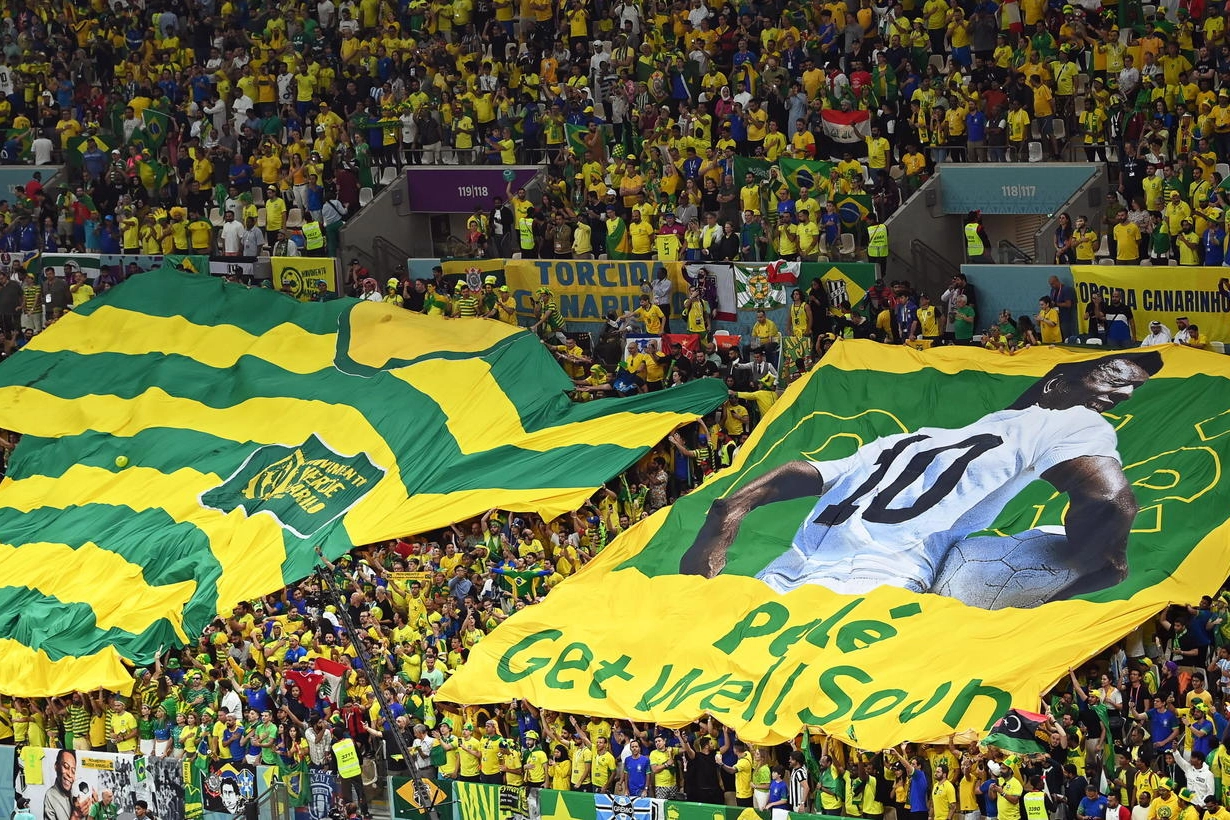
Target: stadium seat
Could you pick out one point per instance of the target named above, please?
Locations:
(1103, 248)
(1059, 129)
(262, 217)
(388, 175)
(1094, 340)
(1146, 262)
(1148, 11)
(846, 246)
(1223, 168)
(1218, 347)
(937, 60)
(258, 196)
(1106, 261)
(365, 196)
(215, 217)
(1082, 84)
(294, 218)
(1035, 152)
(1035, 129)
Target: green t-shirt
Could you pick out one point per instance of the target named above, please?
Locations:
(964, 331)
(264, 733)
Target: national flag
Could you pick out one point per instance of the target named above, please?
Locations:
(24, 138)
(803, 173)
(1020, 732)
(759, 168)
(187, 443)
(297, 780)
(844, 131)
(576, 137)
(152, 173)
(333, 688)
(155, 125)
(845, 126)
(558, 804)
(852, 208)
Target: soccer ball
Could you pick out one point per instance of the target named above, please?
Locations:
(994, 572)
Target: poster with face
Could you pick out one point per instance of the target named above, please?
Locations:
(163, 788)
(230, 788)
(62, 784)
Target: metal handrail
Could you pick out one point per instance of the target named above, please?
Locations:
(1009, 253)
(927, 258)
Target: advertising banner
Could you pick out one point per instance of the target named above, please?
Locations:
(892, 521)
(1202, 295)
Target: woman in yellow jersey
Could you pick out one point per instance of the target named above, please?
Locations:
(800, 315)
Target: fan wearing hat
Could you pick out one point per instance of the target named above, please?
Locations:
(391, 295)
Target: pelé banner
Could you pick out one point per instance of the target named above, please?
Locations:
(1202, 295)
(910, 544)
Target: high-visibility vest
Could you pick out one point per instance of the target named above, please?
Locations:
(1035, 805)
(525, 227)
(877, 241)
(347, 759)
(973, 242)
(313, 236)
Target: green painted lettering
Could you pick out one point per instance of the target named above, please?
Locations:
(563, 664)
(607, 670)
(858, 635)
(504, 668)
(831, 689)
(763, 620)
(735, 690)
(878, 703)
(912, 709)
(961, 704)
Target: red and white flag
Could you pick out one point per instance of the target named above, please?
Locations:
(846, 126)
(333, 688)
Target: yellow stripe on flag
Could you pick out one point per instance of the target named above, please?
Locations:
(115, 330)
(39, 673)
(248, 549)
(124, 601)
(381, 333)
(460, 387)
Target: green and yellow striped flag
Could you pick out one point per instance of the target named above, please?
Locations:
(188, 442)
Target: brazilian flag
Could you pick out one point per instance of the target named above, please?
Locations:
(187, 443)
(153, 174)
(154, 126)
(853, 208)
(803, 173)
(575, 135)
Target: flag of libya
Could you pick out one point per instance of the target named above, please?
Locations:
(1021, 732)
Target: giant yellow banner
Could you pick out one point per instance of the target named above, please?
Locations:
(910, 544)
(1164, 294)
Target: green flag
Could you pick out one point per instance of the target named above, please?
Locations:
(803, 173)
(758, 168)
(155, 126)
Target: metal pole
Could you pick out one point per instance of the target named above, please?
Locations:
(420, 787)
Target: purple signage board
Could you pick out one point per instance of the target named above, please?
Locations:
(458, 189)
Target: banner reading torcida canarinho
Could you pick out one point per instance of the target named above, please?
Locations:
(910, 544)
(1202, 295)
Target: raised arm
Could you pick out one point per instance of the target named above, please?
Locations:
(1099, 518)
(707, 555)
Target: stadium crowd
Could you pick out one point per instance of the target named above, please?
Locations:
(171, 114)
(184, 125)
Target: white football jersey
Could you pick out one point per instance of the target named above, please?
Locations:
(891, 511)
